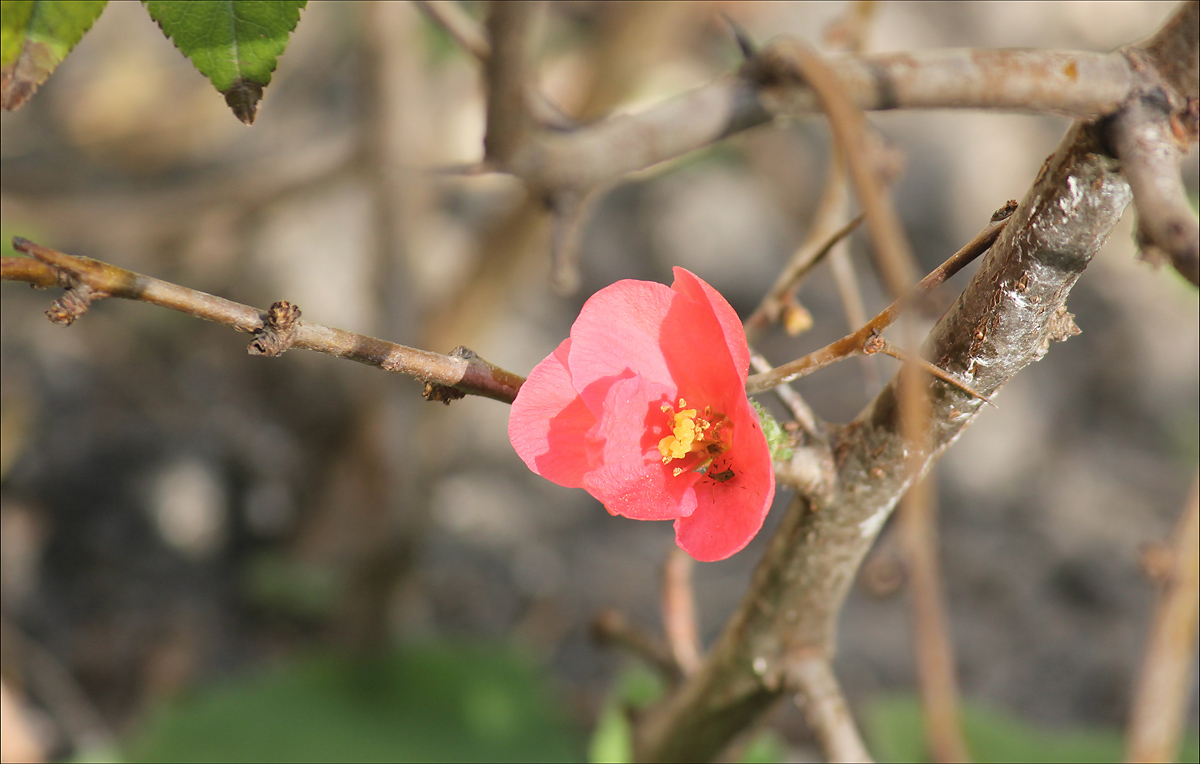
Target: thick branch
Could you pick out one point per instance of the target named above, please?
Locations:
(1073, 83)
(276, 330)
(1003, 321)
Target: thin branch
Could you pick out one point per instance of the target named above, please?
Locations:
(1161, 696)
(819, 696)
(457, 23)
(803, 261)
(800, 409)
(856, 343)
(1150, 154)
(679, 611)
(276, 330)
(877, 344)
(1077, 84)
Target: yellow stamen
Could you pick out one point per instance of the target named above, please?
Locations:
(691, 433)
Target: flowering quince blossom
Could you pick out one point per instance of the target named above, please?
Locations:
(644, 406)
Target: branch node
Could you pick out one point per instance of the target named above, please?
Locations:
(74, 302)
(435, 391)
(278, 332)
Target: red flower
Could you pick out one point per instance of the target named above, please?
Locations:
(645, 407)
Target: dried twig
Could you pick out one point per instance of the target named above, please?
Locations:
(856, 343)
(1161, 695)
(806, 258)
(275, 331)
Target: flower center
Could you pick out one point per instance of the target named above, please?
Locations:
(692, 435)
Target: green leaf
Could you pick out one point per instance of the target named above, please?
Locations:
(234, 43)
(35, 36)
(427, 703)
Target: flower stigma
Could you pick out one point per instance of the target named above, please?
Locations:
(692, 433)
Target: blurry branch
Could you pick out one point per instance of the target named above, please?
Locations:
(54, 685)
(679, 611)
(509, 123)
(1075, 84)
(798, 63)
(932, 644)
(1161, 696)
(276, 330)
(866, 340)
(1150, 138)
(610, 627)
(450, 16)
(819, 696)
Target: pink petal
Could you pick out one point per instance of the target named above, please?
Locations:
(696, 288)
(548, 424)
(618, 330)
(630, 478)
(703, 353)
(729, 514)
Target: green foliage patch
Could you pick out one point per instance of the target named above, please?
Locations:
(428, 703)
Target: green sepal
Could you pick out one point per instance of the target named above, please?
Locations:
(777, 438)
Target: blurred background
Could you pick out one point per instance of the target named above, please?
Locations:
(300, 558)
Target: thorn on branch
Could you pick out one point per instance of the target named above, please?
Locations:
(278, 332)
